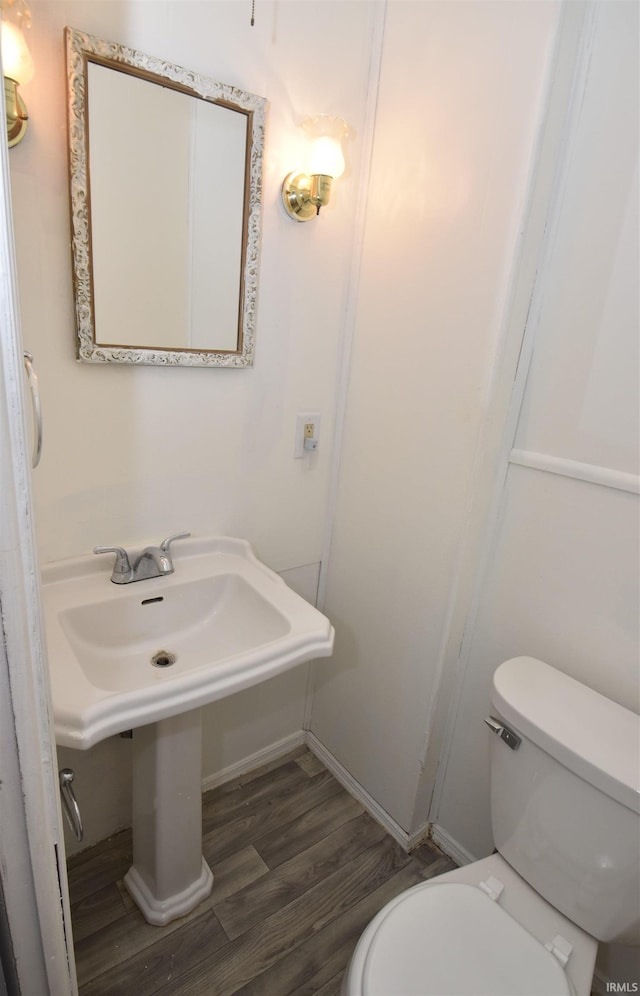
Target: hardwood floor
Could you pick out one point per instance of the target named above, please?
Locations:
(299, 870)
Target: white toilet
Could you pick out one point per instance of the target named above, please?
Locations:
(565, 803)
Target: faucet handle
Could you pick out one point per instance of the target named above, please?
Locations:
(122, 565)
(169, 540)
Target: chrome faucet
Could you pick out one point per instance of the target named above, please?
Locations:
(153, 562)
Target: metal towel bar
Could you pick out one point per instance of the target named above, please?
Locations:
(37, 411)
(70, 803)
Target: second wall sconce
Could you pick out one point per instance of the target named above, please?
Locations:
(304, 193)
(17, 65)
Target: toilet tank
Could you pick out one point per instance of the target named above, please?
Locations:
(565, 803)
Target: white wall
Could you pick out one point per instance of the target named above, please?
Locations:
(459, 107)
(134, 454)
(562, 580)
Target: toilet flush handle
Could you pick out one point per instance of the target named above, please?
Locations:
(510, 738)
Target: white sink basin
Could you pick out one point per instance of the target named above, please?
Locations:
(228, 621)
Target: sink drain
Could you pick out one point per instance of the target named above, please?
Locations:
(163, 659)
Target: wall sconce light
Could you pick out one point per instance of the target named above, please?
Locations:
(17, 65)
(303, 194)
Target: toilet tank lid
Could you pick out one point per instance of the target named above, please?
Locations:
(589, 734)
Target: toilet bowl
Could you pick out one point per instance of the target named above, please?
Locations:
(565, 799)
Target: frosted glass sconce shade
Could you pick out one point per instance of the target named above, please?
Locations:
(304, 193)
(17, 65)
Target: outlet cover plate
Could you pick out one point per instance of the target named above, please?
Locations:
(301, 420)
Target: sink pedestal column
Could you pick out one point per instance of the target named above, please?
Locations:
(169, 875)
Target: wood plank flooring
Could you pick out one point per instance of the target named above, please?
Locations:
(299, 870)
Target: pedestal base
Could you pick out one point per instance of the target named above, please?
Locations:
(161, 911)
(169, 876)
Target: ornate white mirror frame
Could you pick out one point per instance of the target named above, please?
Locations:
(82, 51)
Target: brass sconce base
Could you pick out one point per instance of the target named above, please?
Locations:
(296, 197)
(17, 117)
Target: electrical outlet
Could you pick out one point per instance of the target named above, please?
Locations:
(307, 434)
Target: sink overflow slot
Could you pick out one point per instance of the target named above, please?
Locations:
(148, 601)
(163, 659)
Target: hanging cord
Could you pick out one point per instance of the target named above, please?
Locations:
(253, 12)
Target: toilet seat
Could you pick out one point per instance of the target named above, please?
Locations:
(452, 940)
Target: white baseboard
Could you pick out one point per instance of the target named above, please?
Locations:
(451, 847)
(355, 789)
(300, 738)
(264, 756)
(600, 983)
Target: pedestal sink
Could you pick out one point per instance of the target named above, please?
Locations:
(146, 656)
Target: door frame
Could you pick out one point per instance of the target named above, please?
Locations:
(36, 944)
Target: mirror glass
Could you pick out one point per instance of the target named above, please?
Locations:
(166, 181)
